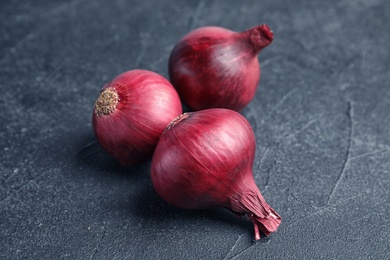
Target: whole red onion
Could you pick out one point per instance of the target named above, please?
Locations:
(204, 159)
(131, 112)
(215, 67)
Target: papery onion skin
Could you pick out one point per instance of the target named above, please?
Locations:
(204, 159)
(131, 113)
(216, 67)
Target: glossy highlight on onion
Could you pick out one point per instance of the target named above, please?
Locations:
(131, 112)
(204, 159)
(215, 67)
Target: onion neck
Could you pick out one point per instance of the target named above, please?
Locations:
(259, 37)
(107, 102)
(251, 202)
(267, 225)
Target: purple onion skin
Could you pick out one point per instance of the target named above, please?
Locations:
(214, 67)
(131, 113)
(204, 159)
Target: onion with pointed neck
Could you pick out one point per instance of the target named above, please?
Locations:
(216, 67)
(204, 159)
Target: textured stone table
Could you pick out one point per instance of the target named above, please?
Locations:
(321, 118)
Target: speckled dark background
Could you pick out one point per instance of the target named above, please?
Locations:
(321, 118)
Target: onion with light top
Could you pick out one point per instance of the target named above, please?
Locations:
(131, 112)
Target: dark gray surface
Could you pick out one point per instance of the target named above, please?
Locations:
(321, 118)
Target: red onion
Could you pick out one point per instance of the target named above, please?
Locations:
(216, 67)
(204, 159)
(131, 113)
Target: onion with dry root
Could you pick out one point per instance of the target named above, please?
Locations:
(131, 112)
